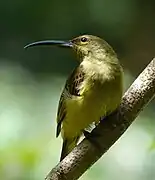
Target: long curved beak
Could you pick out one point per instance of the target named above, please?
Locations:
(50, 42)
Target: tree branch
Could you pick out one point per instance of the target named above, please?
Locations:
(109, 130)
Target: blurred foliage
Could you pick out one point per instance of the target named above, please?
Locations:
(31, 82)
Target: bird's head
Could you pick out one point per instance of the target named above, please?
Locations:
(84, 46)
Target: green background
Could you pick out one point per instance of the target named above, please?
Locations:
(31, 82)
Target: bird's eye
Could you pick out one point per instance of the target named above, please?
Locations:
(84, 39)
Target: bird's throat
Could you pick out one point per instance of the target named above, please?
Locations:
(101, 70)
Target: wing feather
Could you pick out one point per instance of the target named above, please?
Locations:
(71, 89)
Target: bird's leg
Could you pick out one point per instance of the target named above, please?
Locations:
(88, 134)
(93, 137)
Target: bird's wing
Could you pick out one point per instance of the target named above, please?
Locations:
(71, 89)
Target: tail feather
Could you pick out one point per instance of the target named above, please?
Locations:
(68, 146)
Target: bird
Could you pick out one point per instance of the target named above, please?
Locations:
(93, 89)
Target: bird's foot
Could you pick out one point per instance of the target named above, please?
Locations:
(92, 135)
(93, 139)
(87, 134)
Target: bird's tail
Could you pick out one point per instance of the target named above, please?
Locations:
(68, 146)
